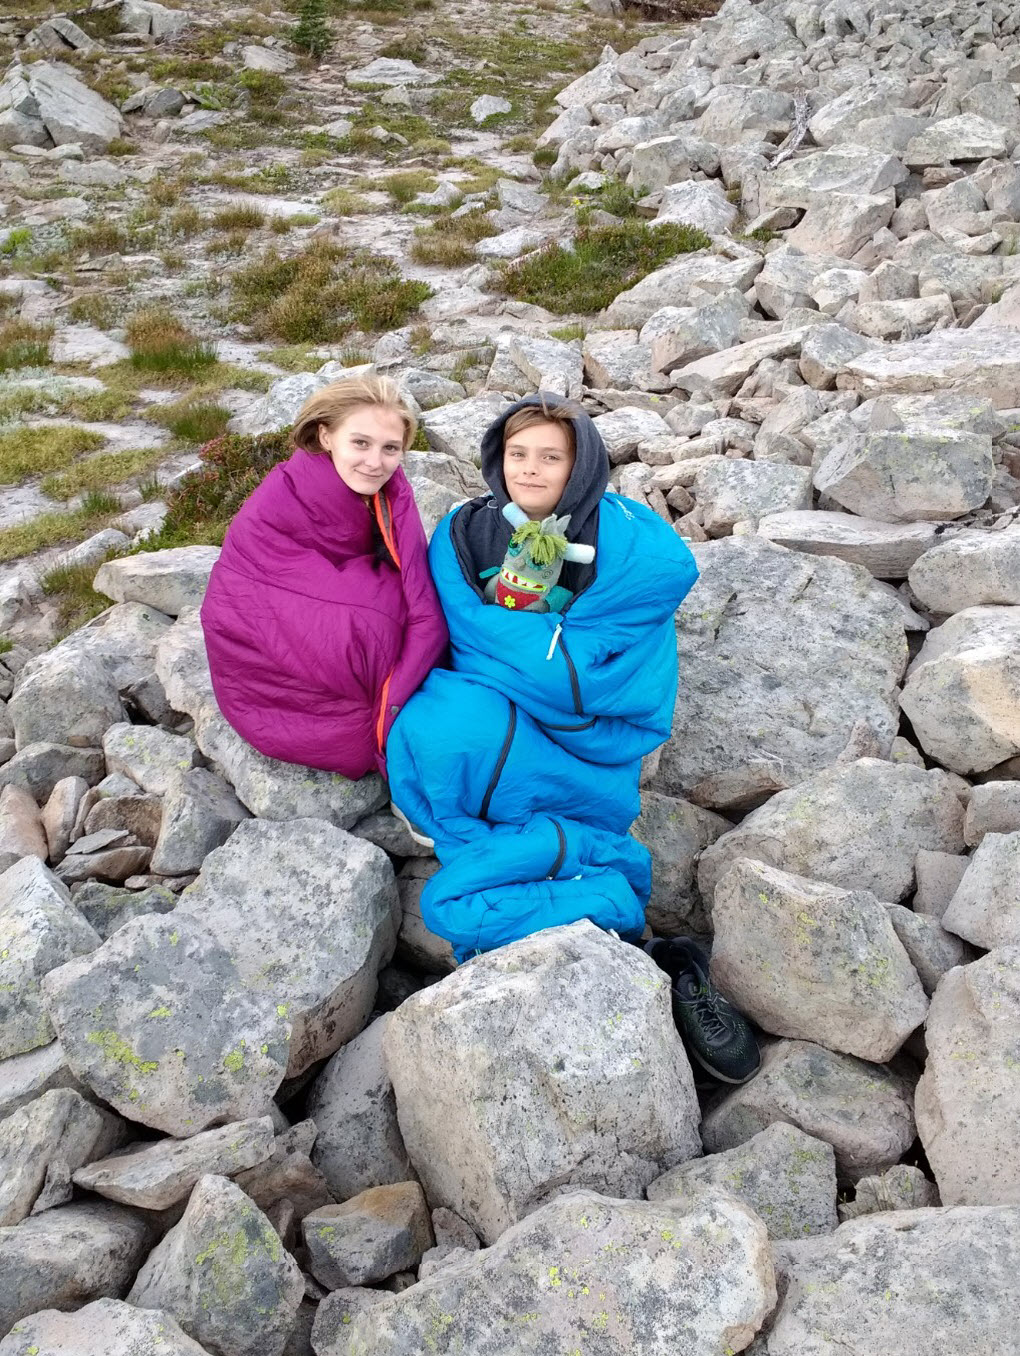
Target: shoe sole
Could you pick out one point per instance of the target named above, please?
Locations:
(723, 1078)
(419, 838)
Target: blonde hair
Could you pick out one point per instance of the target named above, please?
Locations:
(334, 403)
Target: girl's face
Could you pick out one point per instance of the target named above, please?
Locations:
(366, 447)
(537, 463)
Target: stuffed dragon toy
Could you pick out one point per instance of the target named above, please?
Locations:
(527, 579)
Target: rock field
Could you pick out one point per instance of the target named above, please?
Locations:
(248, 1106)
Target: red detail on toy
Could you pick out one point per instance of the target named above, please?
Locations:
(516, 599)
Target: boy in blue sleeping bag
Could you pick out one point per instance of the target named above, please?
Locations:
(521, 762)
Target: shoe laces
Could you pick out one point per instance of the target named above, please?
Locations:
(714, 1011)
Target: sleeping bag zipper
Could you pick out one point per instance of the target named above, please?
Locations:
(562, 854)
(504, 754)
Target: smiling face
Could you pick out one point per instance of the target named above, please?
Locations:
(366, 447)
(537, 462)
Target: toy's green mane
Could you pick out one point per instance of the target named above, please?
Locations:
(544, 547)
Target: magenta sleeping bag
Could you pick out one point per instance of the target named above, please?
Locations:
(314, 645)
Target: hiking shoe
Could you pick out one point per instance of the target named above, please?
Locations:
(715, 1034)
(420, 838)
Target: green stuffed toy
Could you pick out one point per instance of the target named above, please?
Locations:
(527, 579)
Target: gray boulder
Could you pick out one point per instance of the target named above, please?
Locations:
(107, 1326)
(857, 1289)
(967, 1099)
(634, 1277)
(985, 909)
(40, 929)
(786, 1177)
(932, 950)
(21, 827)
(156, 1176)
(729, 491)
(783, 655)
(224, 1275)
(859, 826)
(43, 1143)
(675, 832)
(69, 109)
(905, 476)
(148, 755)
(162, 1026)
(558, 1017)
(352, 1104)
(172, 581)
(983, 363)
(962, 694)
(380, 1231)
(899, 1188)
(61, 698)
(39, 767)
(680, 284)
(108, 907)
(971, 570)
(67, 1257)
(315, 934)
(886, 550)
(457, 428)
(24, 1078)
(863, 1110)
(200, 812)
(814, 962)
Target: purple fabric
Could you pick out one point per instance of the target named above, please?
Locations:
(306, 633)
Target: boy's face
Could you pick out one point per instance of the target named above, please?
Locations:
(537, 463)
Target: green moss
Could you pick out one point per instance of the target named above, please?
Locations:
(102, 471)
(30, 450)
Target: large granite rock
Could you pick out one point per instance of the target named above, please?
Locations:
(814, 962)
(106, 1326)
(675, 832)
(625, 1278)
(370, 1237)
(886, 550)
(971, 570)
(968, 1100)
(66, 1257)
(578, 1025)
(864, 1287)
(858, 826)
(315, 933)
(983, 363)
(783, 655)
(40, 929)
(172, 581)
(786, 1177)
(62, 698)
(962, 694)
(986, 907)
(863, 1110)
(224, 1275)
(162, 1026)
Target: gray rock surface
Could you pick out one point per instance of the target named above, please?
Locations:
(380, 1231)
(764, 628)
(557, 1017)
(675, 832)
(199, 813)
(814, 962)
(786, 1177)
(224, 1274)
(156, 1176)
(900, 1188)
(967, 1100)
(971, 570)
(635, 1277)
(985, 909)
(148, 755)
(163, 985)
(106, 1325)
(61, 698)
(886, 550)
(172, 581)
(353, 1106)
(859, 826)
(863, 1110)
(314, 936)
(67, 1257)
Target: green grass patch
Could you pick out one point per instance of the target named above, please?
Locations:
(346, 203)
(88, 406)
(159, 342)
(406, 49)
(195, 418)
(52, 529)
(71, 587)
(294, 357)
(614, 197)
(605, 261)
(452, 240)
(238, 217)
(28, 451)
(94, 308)
(101, 471)
(23, 344)
(322, 293)
(98, 237)
(544, 156)
(568, 332)
(408, 184)
(17, 243)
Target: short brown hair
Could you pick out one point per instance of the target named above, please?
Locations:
(333, 404)
(543, 414)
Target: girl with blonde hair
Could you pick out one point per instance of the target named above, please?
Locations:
(321, 618)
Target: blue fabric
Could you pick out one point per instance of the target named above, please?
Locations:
(545, 842)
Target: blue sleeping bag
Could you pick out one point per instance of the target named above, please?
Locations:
(522, 761)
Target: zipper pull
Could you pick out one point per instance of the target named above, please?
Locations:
(555, 640)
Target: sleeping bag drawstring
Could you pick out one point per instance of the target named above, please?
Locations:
(555, 640)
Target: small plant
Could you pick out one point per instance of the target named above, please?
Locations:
(122, 146)
(408, 184)
(71, 586)
(544, 156)
(452, 240)
(99, 237)
(101, 471)
(311, 33)
(151, 489)
(94, 308)
(29, 450)
(346, 203)
(184, 222)
(233, 242)
(23, 344)
(568, 332)
(17, 243)
(604, 261)
(160, 342)
(406, 49)
(194, 419)
(239, 216)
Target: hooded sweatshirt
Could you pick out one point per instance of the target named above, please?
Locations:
(314, 643)
(481, 534)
